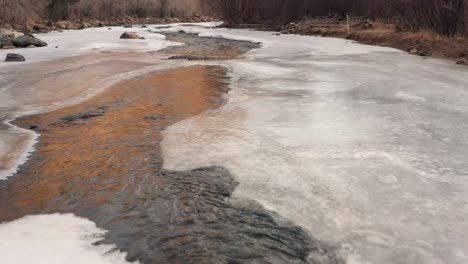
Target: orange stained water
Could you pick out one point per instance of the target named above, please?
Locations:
(90, 153)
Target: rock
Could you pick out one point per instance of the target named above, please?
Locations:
(14, 57)
(26, 40)
(142, 38)
(127, 26)
(413, 51)
(462, 62)
(424, 53)
(129, 35)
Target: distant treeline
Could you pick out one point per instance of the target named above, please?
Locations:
(19, 11)
(446, 17)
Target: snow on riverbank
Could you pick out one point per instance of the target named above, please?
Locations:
(76, 42)
(55, 239)
(364, 146)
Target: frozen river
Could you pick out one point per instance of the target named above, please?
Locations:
(365, 147)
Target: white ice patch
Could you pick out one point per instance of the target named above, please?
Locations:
(20, 144)
(55, 239)
(101, 45)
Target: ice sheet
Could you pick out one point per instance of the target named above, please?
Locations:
(366, 147)
(55, 239)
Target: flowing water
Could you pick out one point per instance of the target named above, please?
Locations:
(101, 160)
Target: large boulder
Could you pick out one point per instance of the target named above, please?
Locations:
(26, 40)
(11, 57)
(129, 35)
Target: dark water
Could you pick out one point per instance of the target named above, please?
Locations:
(101, 160)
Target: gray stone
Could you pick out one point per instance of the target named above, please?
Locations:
(14, 57)
(26, 40)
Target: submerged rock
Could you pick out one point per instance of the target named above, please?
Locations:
(26, 40)
(11, 57)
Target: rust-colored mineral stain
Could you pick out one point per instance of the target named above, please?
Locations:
(104, 147)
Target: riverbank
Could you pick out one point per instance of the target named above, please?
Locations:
(425, 44)
(43, 26)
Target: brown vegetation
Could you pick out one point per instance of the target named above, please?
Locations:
(22, 13)
(423, 43)
(424, 27)
(445, 17)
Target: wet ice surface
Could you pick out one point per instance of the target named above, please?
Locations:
(366, 147)
(46, 239)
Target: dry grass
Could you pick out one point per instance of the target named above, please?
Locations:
(385, 35)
